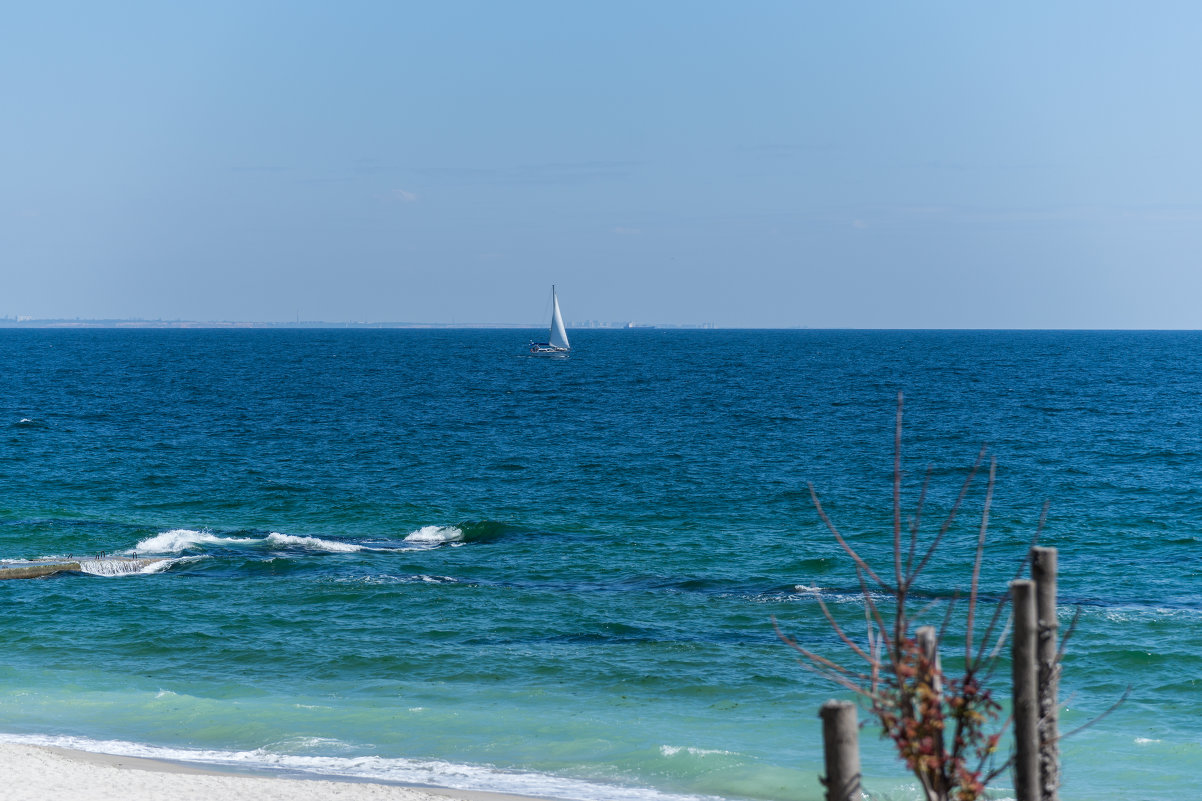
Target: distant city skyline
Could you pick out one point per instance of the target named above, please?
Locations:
(773, 164)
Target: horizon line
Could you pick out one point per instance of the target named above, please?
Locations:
(135, 323)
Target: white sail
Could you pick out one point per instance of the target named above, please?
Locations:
(559, 337)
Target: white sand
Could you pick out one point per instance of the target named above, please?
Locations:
(59, 774)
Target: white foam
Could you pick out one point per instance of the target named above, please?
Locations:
(122, 567)
(390, 579)
(430, 772)
(673, 750)
(435, 535)
(312, 543)
(1142, 614)
(182, 539)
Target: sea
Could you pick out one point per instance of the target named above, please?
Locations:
(426, 556)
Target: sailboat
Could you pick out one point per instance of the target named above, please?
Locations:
(557, 341)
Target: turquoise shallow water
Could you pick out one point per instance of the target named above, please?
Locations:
(426, 556)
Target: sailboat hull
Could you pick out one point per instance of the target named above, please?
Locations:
(545, 348)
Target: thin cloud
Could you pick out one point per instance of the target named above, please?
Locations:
(558, 173)
(404, 196)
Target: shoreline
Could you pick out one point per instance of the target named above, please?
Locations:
(51, 771)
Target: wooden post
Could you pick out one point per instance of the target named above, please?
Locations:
(1025, 696)
(928, 645)
(1043, 571)
(841, 749)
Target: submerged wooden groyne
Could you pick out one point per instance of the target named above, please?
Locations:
(95, 565)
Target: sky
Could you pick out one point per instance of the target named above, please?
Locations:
(741, 164)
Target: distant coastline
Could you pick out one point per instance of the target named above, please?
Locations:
(27, 322)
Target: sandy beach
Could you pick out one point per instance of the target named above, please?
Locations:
(40, 772)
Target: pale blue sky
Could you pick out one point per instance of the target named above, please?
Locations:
(746, 164)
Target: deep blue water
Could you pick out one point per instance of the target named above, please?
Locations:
(428, 556)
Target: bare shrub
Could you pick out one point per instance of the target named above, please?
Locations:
(946, 726)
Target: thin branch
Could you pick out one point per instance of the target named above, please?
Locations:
(947, 616)
(839, 538)
(816, 658)
(1126, 694)
(951, 515)
(830, 619)
(915, 522)
(870, 633)
(917, 616)
(897, 526)
(1001, 638)
(878, 637)
(1000, 769)
(836, 678)
(870, 608)
(976, 566)
(1001, 604)
(985, 668)
(1043, 519)
(1068, 633)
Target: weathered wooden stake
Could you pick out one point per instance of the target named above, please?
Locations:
(1043, 571)
(841, 749)
(928, 643)
(1026, 693)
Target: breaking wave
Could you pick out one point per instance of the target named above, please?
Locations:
(182, 539)
(313, 543)
(436, 535)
